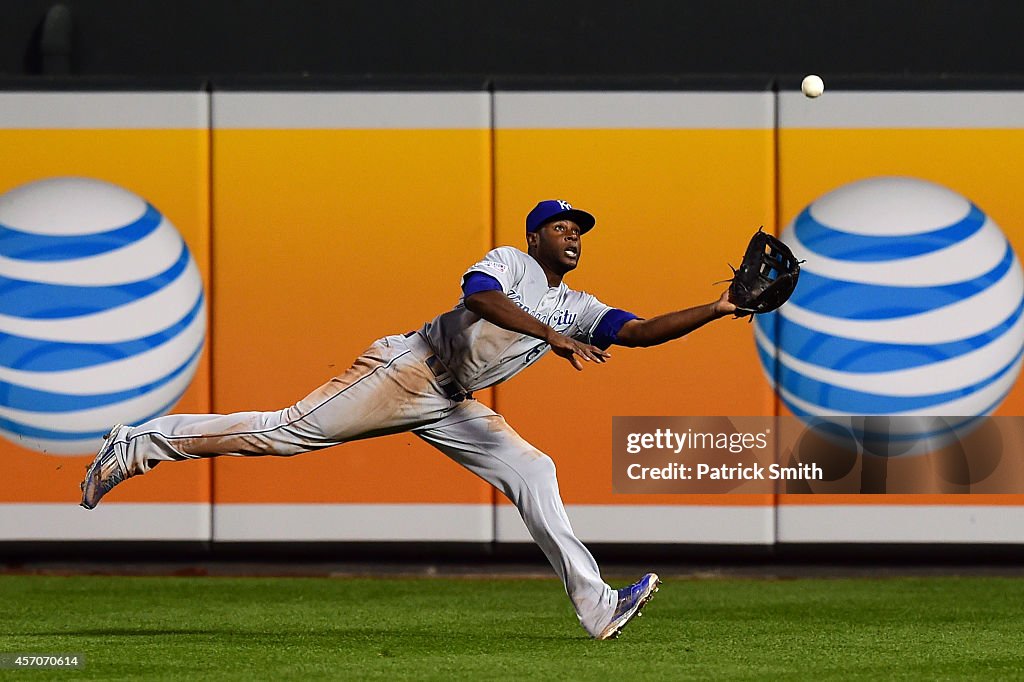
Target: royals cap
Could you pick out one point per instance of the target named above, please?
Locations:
(553, 209)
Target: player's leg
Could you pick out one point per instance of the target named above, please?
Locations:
(386, 390)
(482, 441)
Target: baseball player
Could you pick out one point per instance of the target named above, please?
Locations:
(514, 308)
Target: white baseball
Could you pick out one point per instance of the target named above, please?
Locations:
(812, 85)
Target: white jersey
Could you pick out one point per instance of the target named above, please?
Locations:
(481, 354)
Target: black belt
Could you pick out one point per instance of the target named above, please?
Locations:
(445, 379)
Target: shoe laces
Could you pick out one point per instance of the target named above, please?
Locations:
(115, 468)
(115, 477)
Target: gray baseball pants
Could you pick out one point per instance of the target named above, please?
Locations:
(391, 388)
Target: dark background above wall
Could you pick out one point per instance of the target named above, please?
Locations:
(531, 37)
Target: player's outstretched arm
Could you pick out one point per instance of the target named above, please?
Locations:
(496, 308)
(657, 330)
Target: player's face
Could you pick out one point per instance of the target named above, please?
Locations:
(558, 245)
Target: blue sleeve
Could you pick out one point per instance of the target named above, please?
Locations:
(607, 331)
(476, 282)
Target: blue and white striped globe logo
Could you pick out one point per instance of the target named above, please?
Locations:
(909, 306)
(102, 313)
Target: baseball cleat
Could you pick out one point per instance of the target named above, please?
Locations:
(106, 470)
(631, 600)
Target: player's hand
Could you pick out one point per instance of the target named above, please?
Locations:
(723, 306)
(573, 350)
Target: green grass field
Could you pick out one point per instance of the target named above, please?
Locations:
(213, 628)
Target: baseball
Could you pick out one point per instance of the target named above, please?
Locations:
(812, 85)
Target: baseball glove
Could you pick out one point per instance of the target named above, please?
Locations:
(766, 278)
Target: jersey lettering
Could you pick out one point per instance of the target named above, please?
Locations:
(482, 354)
(562, 318)
(534, 352)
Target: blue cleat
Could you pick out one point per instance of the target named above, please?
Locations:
(107, 470)
(631, 600)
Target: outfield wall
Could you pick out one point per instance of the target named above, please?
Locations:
(322, 220)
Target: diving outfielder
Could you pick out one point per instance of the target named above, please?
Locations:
(515, 307)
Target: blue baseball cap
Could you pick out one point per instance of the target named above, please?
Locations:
(553, 209)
